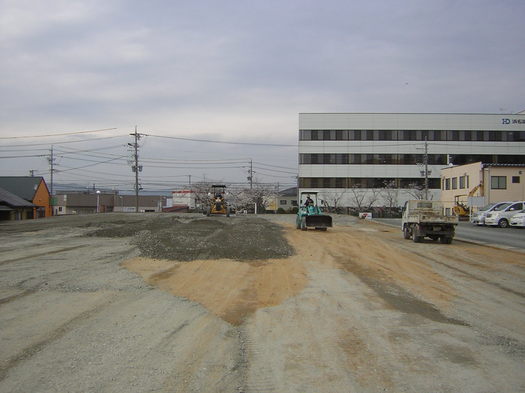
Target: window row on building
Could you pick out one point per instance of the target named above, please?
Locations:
(369, 159)
(366, 182)
(462, 182)
(404, 159)
(455, 183)
(411, 135)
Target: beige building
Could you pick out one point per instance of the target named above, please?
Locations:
(477, 184)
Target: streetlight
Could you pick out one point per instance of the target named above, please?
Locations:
(98, 201)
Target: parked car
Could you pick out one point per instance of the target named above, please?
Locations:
(501, 215)
(518, 219)
(478, 218)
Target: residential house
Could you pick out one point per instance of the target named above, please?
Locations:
(13, 207)
(32, 189)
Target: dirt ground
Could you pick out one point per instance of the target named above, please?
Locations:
(185, 303)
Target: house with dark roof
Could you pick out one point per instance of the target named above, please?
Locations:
(288, 199)
(32, 189)
(13, 207)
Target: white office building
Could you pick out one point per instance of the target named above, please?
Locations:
(381, 159)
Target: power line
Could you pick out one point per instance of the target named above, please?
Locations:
(222, 142)
(60, 134)
(64, 142)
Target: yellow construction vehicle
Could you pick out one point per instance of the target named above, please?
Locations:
(460, 209)
(218, 204)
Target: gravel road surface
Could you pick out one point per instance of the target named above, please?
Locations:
(184, 303)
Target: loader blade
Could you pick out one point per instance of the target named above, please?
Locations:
(319, 221)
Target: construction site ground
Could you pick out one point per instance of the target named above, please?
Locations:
(187, 303)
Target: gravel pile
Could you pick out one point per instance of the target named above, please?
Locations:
(186, 239)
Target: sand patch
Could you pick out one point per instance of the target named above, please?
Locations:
(230, 289)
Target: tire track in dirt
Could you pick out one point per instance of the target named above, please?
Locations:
(55, 335)
(42, 254)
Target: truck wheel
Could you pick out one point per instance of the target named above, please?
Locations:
(406, 233)
(415, 237)
(503, 223)
(445, 239)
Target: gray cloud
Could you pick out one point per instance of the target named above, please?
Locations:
(237, 69)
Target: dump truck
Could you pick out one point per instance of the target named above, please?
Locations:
(423, 218)
(310, 214)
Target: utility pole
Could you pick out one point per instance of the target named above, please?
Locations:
(51, 160)
(250, 174)
(425, 161)
(136, 167)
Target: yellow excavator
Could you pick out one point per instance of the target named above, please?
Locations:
(460, 209)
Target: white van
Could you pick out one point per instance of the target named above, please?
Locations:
(478, 218)
(501, 215)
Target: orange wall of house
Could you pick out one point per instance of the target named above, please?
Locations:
(41, 198)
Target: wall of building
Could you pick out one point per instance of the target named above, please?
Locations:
(459, 181)
(43, 200)
(513, 188)
(348, 154)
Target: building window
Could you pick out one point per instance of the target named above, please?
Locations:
(283, 202)
(495, 136)
(498, 182)
(454, 183)
(515, 179)
(462, 182)
(447, 184)
(453, 136)
(294, 203)
(354, 135)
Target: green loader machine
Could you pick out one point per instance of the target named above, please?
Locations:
(310, 214)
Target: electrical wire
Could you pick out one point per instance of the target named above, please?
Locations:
(64, 142)
(59, 134)
(221, 142)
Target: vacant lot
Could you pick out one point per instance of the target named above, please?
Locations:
(185, 303)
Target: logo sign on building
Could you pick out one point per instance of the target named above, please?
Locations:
(508, 121)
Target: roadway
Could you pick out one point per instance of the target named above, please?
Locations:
(508, 238)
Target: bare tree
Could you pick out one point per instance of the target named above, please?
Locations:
(201, 190)
(417, 191)
(390, 194)
(357, 196)
(260, 194)
(331, 200)
(364, 199)
(372, 196)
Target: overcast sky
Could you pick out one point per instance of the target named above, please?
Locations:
(243, 70)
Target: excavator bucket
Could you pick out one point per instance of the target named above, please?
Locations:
(318, 221)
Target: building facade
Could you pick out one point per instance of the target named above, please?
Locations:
(478, 184)
(90, 203)
(383, 159)
(32, 189)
